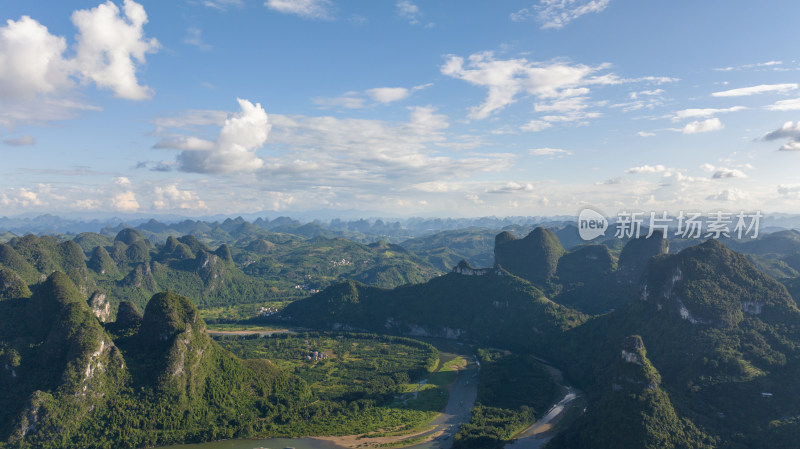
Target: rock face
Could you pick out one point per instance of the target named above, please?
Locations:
(634, 413)
(633, 370)
(81, 360)
(141, 277)
(100, 306)
(12, 285)
(712, 285)
(636, 253)
(211, 269)
(534, 258)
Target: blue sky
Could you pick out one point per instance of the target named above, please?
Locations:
(398, 108)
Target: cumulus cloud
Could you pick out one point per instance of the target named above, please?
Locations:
(233, 151)
(310, 9)
(754, 90)
(125, 202)
(109, 44)
(363, 155)
(788, 130)
(31, 61)
(25, 140)
(511, 187)
(170, 197)
(792, 145)
(729, 195)
(647, 169)
(37, 80)
(645, 134)
(712, 124)
(789, 190)
(555, 14)
(723, 173)
(549, 152)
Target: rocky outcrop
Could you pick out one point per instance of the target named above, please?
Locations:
(141, 277)
(100, 306)
(710, 284)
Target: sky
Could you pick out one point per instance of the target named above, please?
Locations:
(398, 108)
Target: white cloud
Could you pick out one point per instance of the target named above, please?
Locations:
(170, 198)
(789, 190)
(645, 134)
(122, 181)
(511, 187)
(754, 90)
(37, 81)
(233, 151)
(186, 143)
(792, 145)
(388, 94)
(705, 112)
(472, 198)
(647, 169)
(729, 195)
(770, 64)
(712, 124)
(785, 105)
(549, 152)
(125, 202)
(506, 79)
(707, 167)
(312, 9)
(25, 140)
(107, 45)
(355, 156)
(555, 14)
(723, 173)
(787, 130)
(536, 125)
(31, 61)
(357, 100)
